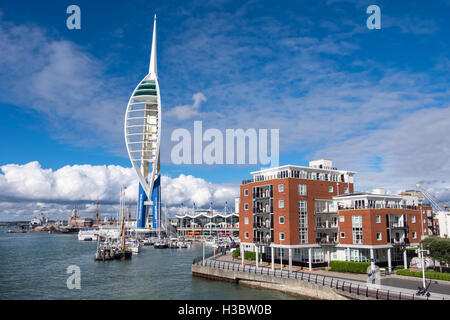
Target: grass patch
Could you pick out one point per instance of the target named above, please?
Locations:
(428, 274)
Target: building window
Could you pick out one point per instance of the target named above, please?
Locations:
(413, 219)
(359, 255)
(245, 206)
(246, 235)
(303, 221)
(414, 235)
(281, 236)
(342, 235)
(245, 220)
(378, 219)
(330, 188)
(280, 204)
(378, 235)
(341, 219)
(345, 189)
(280, 187)
(245, 192)
(357, 229)
(281, 220)
(302, 189)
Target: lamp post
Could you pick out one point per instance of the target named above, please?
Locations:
(203, 252)
(421, 254)
(281, 254)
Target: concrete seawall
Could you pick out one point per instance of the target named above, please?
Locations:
(287, 285)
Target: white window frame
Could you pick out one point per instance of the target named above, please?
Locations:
(341, 219)
(330, 188)
(413, 219)
(245, 192)
(302, 189)
(380, 237)
(345, 189)
(281, 238)
(245, 220)
(280, 204)
(281, 187)
(414, 235)
(340, 235)
(279, 219)
(245, 206)
(246, 235)
(377, 219)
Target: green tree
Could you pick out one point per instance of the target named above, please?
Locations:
(439, 249)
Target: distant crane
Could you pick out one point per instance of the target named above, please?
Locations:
(435, 203)
(97, 214)
(440, 210)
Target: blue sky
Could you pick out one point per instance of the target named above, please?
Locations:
(375, 101)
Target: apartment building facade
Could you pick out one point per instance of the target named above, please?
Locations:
(309, 216)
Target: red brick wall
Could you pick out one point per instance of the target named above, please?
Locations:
(370, 227)
(246, 214)
(315, 189)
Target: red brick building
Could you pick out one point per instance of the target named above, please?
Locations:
(311, 215)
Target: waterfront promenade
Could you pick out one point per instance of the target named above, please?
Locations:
(316, 283)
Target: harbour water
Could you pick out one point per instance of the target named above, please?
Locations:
(34, 266)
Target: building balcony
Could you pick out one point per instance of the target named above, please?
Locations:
(325, 241)
(377, 207)
(262, 195)
(261, 211)
(329, 211)
(262, 241)
(400, 241)
(262, 226)
(326, 225)
(398, 225)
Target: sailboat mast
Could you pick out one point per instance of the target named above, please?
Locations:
(123, 220)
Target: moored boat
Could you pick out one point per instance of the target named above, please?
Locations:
(87, 234)
(161, 244)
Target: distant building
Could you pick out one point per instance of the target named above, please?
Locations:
(76, 221)
(206, 222)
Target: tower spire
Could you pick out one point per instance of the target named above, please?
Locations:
(153, 72)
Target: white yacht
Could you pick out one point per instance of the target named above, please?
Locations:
(133, 245)
(88, 234)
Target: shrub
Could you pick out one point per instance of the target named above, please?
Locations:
(248, 255)
(349, 266)
(428, 274)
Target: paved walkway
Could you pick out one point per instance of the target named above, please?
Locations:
(389, 282)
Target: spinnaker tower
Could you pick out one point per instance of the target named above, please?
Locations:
(143, 136)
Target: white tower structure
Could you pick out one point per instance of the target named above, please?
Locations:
(143, 136)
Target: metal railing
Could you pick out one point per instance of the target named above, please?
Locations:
(377, 206)
(334, 283)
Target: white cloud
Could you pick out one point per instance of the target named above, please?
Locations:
(187, 111)
(29, 188)
(188, 189)
(415, 149)
(63, 82)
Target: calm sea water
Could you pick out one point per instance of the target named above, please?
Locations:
(34, 265)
